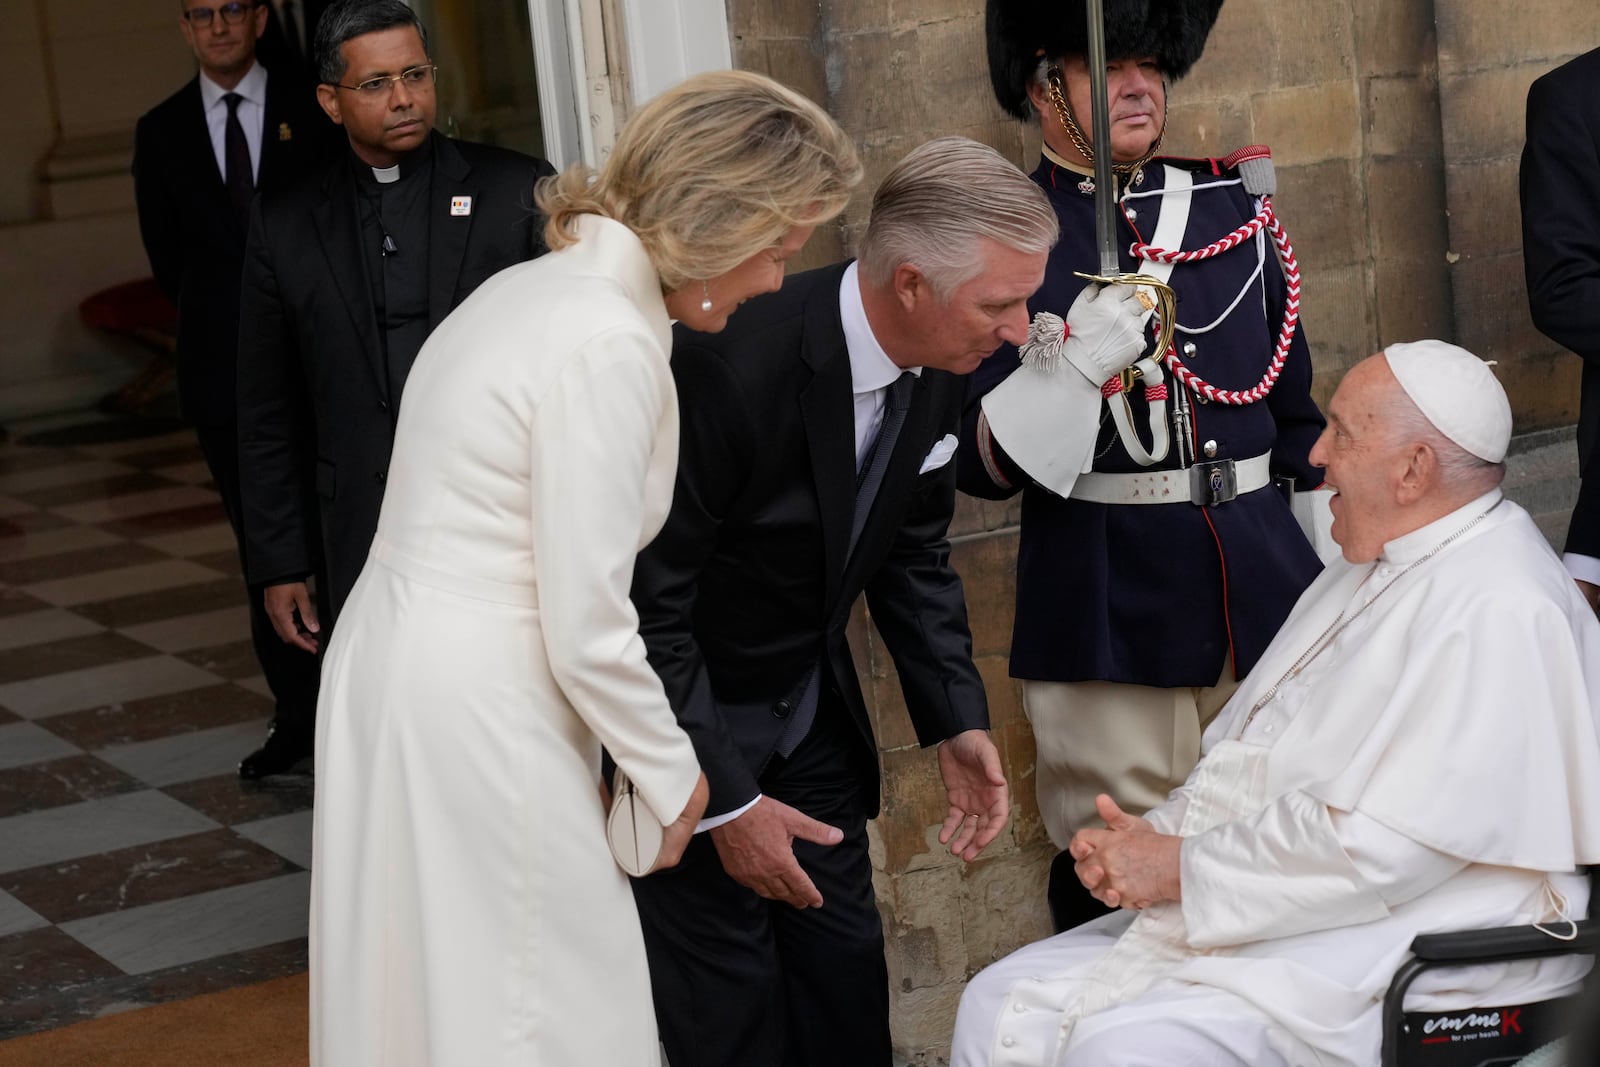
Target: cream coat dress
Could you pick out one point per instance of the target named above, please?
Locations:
(465, 909)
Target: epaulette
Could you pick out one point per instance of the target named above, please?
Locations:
(1252, 163)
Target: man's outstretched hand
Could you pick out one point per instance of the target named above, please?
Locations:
(980, 800)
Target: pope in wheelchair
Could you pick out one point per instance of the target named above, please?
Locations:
(1416, 752)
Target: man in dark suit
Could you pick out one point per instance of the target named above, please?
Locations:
(1560, 191)
(345, 275)
(199, 157)
(817, 433)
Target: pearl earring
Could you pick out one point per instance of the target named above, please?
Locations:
(705, 291)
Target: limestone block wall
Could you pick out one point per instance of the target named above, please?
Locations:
(1395, 125)
(1488, 55)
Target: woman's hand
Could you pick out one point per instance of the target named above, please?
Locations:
(676, 836)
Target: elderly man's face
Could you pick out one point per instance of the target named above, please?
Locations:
(1136, 97)
(386, 124)
(981, 314)
(1363, 464)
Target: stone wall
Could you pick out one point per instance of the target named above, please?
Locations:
(1395, 128)
(1488, 55)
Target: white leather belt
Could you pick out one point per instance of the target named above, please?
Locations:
(1208, 483)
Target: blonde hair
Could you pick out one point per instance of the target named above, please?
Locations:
(709, 173)
(940, 201)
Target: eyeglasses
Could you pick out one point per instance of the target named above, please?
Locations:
(232, 14)
(419, 77)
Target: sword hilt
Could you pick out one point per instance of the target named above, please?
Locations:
(1166, 307)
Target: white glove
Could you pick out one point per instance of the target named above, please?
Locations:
(1106, 331)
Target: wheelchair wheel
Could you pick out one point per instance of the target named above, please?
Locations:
(1552, 1055)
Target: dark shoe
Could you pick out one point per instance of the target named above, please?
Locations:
(283, 749)
(1070, 903)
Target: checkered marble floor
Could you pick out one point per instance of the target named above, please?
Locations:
(135, 867)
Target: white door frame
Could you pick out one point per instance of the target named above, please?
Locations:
(558, 69)
(668, 40)
(665, 41)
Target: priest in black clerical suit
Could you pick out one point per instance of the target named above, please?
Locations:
(199, 157)
(345, 275)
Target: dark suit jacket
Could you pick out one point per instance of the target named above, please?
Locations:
(193, 238)
(748, 585)
(1560, 191)
(308, 329)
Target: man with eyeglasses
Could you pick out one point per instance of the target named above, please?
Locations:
(345, 276)
(200, 156)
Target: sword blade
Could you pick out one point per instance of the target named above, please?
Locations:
(1105, 184)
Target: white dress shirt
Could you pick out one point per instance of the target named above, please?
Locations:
(871, 369)
(252, 113)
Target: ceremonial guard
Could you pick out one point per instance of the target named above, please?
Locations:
(1159, 549)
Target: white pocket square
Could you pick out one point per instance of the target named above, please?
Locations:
(939, 454)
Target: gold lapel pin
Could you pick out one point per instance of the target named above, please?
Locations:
(284, 132)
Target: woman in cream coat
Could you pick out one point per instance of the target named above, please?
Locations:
(465, 909)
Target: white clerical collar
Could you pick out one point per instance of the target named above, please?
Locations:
(1408, 547)
(253, 87)
(386, 175)
(871, 368)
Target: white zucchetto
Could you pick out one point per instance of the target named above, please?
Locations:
(1457, 392)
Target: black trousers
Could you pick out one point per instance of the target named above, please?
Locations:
(741, 981)
(291, 674)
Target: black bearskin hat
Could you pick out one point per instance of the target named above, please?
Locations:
(1022, 32)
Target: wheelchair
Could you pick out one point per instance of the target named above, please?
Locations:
(1496, 1036)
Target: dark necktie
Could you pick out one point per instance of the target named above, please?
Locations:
(897, 401)
(236, 152)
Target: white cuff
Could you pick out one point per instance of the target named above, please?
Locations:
(1313, 512)
(1582, 568)
(711, 822)
(1047, 422)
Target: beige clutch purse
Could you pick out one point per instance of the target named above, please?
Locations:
(635, 835)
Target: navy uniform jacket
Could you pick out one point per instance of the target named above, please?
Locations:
(1158, 594)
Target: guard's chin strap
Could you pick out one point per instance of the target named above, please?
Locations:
(1063, 109)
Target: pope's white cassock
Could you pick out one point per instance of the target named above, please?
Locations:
(1435, 768)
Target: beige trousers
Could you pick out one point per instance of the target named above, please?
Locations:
(1136, 743)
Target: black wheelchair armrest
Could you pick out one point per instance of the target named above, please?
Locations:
(1466, 947)
(1506, 943)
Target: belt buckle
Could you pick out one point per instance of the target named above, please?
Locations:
(1213, 482)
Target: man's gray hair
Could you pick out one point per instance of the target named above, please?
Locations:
(1459, 470)
(940, 202)
(349, 19)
